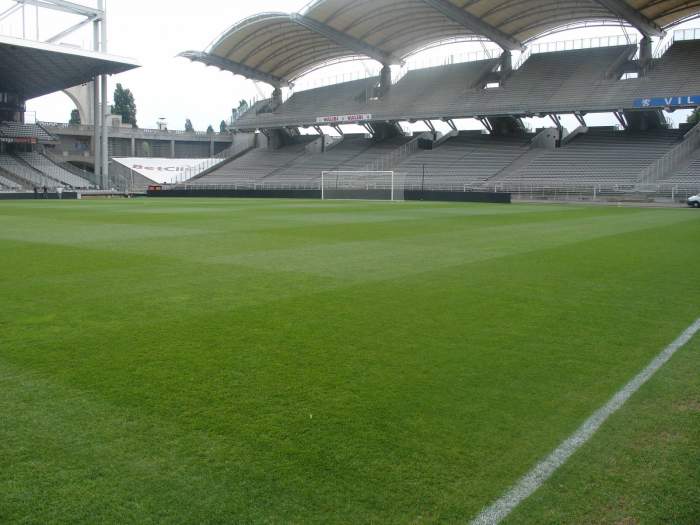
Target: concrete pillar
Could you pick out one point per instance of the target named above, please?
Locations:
(133, 146)
(172, 149)
(83, 98)
(646, 52)
(506, 63)
(97, 112)
(96, 136)
(277, 98)
(385, 80)
(104, 132)
(211, 147)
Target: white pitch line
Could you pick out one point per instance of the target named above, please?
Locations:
(534, 479)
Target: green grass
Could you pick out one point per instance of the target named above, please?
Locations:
(643, 467)
(223, 361)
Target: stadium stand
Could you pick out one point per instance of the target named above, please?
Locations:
(599, 156)
(469, 158)
(7, 183)
(29, 131)
(674, 73)
(295, 164)
(305, 106)
(688, 174)
(355, 153)
(23, 172)
(553, 81)
(256, 164)
(422, 91)
(34, 169)
(41, 163)
(560, 81)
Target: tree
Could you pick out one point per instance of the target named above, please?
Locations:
(125, 105)
(210, 130)
(74, 118)
(242, 108)
(188, 125)
(694, 117)
(223, 127)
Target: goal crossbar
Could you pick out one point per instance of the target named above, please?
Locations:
(373, 185)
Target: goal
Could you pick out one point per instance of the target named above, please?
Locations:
(365, 185)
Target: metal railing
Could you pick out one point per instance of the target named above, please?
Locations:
(673, 159)
(597, 192)
(574, 44)
(585, 43)
(686, 34)
(568, 192)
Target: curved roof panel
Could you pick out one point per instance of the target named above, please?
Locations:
(278, 47)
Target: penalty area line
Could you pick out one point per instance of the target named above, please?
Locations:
(535, 478)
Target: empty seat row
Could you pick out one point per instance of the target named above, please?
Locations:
(295, 163)
(20, 130)
(467, 158)
(56, 172)
(603, 155)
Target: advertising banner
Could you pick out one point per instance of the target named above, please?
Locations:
(343, 119)
(668, 102)
(164, 171)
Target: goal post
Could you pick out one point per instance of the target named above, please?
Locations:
(362, 185)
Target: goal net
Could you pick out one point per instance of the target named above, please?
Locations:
(366, 185)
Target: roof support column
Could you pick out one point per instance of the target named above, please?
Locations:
(104, 133)
(646, 53)
(276, 98)
(620, 116)
(556, 119)
(97, 112)
(506, 63)
(385, 80)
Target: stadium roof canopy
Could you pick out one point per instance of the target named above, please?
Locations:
(278, 48)
(32, 69)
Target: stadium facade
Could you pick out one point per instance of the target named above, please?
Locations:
(639, 76)
(649, 70)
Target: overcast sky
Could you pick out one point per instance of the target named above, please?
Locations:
(153, 32)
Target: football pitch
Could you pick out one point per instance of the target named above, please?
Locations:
(273, 362)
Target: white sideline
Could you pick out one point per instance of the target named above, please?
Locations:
(534, 479)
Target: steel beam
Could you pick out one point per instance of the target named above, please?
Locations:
(104, 85)
(70, 30)
(65, 7)
(344, 40)
(8, 12)
(234, 67)
(628, 13)
(475, 24)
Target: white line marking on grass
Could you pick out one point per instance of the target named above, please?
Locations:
(534, 479)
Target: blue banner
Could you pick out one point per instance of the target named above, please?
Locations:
(668, 102)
